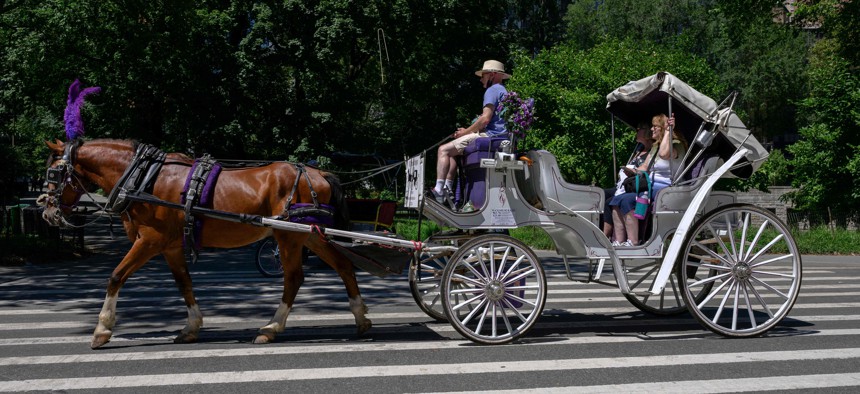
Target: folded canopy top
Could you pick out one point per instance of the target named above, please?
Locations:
(638, 101)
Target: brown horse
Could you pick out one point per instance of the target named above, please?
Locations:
(157, 229)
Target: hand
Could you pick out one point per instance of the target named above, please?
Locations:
(460, 132)
(629, 171)
(671, 121)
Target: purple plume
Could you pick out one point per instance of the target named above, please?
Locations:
(74, 123)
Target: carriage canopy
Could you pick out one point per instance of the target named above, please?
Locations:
(639, 100)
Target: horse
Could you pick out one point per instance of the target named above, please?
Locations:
(79, 166)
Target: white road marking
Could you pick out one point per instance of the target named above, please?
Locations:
(107, 382)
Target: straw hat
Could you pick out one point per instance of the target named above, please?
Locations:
(493, 66)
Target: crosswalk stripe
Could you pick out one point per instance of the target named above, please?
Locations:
(341, 348)
(734, 385)
(106, 382)
(298, 317)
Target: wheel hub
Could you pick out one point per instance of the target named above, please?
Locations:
(495, 290)
(742, 271)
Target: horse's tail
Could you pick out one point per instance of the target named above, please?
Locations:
(341, 215)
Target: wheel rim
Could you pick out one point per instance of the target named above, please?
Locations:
(494, 289)
(744, 266)
(268, 259)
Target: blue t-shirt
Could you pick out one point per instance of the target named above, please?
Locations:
(493, 96)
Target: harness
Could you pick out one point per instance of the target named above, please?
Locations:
(140, 175)
(305, 213)
(198, 190)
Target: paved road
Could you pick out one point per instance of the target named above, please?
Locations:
(589, 339)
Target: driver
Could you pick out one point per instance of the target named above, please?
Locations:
(488, 124)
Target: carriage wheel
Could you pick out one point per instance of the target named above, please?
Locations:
(753, 270)
(494, 289)
(268, 259)
(642, 273)
(425, 273)
(640, 276)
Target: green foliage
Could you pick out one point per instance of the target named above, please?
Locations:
(748, 52)
(776, 171)
(826, 158)
(570, 87)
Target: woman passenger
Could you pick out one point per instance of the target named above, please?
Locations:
(670, 147)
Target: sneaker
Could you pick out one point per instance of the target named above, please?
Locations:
(627, 244)
(616, 244)
(439, 197)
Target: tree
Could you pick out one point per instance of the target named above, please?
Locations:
(827, 158)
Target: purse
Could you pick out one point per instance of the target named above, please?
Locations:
(633, 185)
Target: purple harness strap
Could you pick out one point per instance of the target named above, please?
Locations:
(308, 214)
(204, 198)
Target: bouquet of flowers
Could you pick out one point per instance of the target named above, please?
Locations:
(517, 113)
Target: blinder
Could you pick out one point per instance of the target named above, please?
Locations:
(61, 174)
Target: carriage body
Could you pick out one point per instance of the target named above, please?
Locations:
(700, 247)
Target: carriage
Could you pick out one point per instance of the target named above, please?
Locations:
(734, 267)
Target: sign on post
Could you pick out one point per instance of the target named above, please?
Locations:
(414, 181)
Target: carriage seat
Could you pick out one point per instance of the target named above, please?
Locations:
(542, 181)
(679, 196)
(472, 185)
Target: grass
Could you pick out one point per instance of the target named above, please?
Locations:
(822, 240)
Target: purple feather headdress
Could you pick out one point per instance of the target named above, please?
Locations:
(74, 123)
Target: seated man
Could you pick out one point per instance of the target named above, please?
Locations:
(488, 124)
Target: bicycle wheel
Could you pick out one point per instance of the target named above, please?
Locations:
(269, 259)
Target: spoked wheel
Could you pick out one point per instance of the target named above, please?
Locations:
(269, 259)
(425, 273)
(750, 261)
(493, 289)
(641, 273)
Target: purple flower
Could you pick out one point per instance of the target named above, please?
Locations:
(517, 113)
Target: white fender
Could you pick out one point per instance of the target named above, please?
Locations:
(687, 221)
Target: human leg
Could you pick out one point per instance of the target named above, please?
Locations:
(618, 224)
(632, 226)
(446, 162)
(446, 165)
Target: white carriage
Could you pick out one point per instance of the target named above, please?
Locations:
(735, 267)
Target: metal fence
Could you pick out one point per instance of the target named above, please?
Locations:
(805, 220)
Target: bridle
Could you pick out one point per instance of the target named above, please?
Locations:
(60, 174)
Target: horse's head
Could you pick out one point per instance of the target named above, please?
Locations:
(65, 184)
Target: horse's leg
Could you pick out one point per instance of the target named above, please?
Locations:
(290, 250)
(140, 252)
(344, 268)
(176, 261)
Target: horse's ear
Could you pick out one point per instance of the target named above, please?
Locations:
(56, 146)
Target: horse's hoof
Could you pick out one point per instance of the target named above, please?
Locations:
(364, 326)
(264, 338)
(185, 338)
(99, 340)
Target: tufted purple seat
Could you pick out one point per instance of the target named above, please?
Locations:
(473, 188)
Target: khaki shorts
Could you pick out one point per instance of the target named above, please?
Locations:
(460, 143)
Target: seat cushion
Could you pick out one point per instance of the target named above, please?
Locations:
(481, 148)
